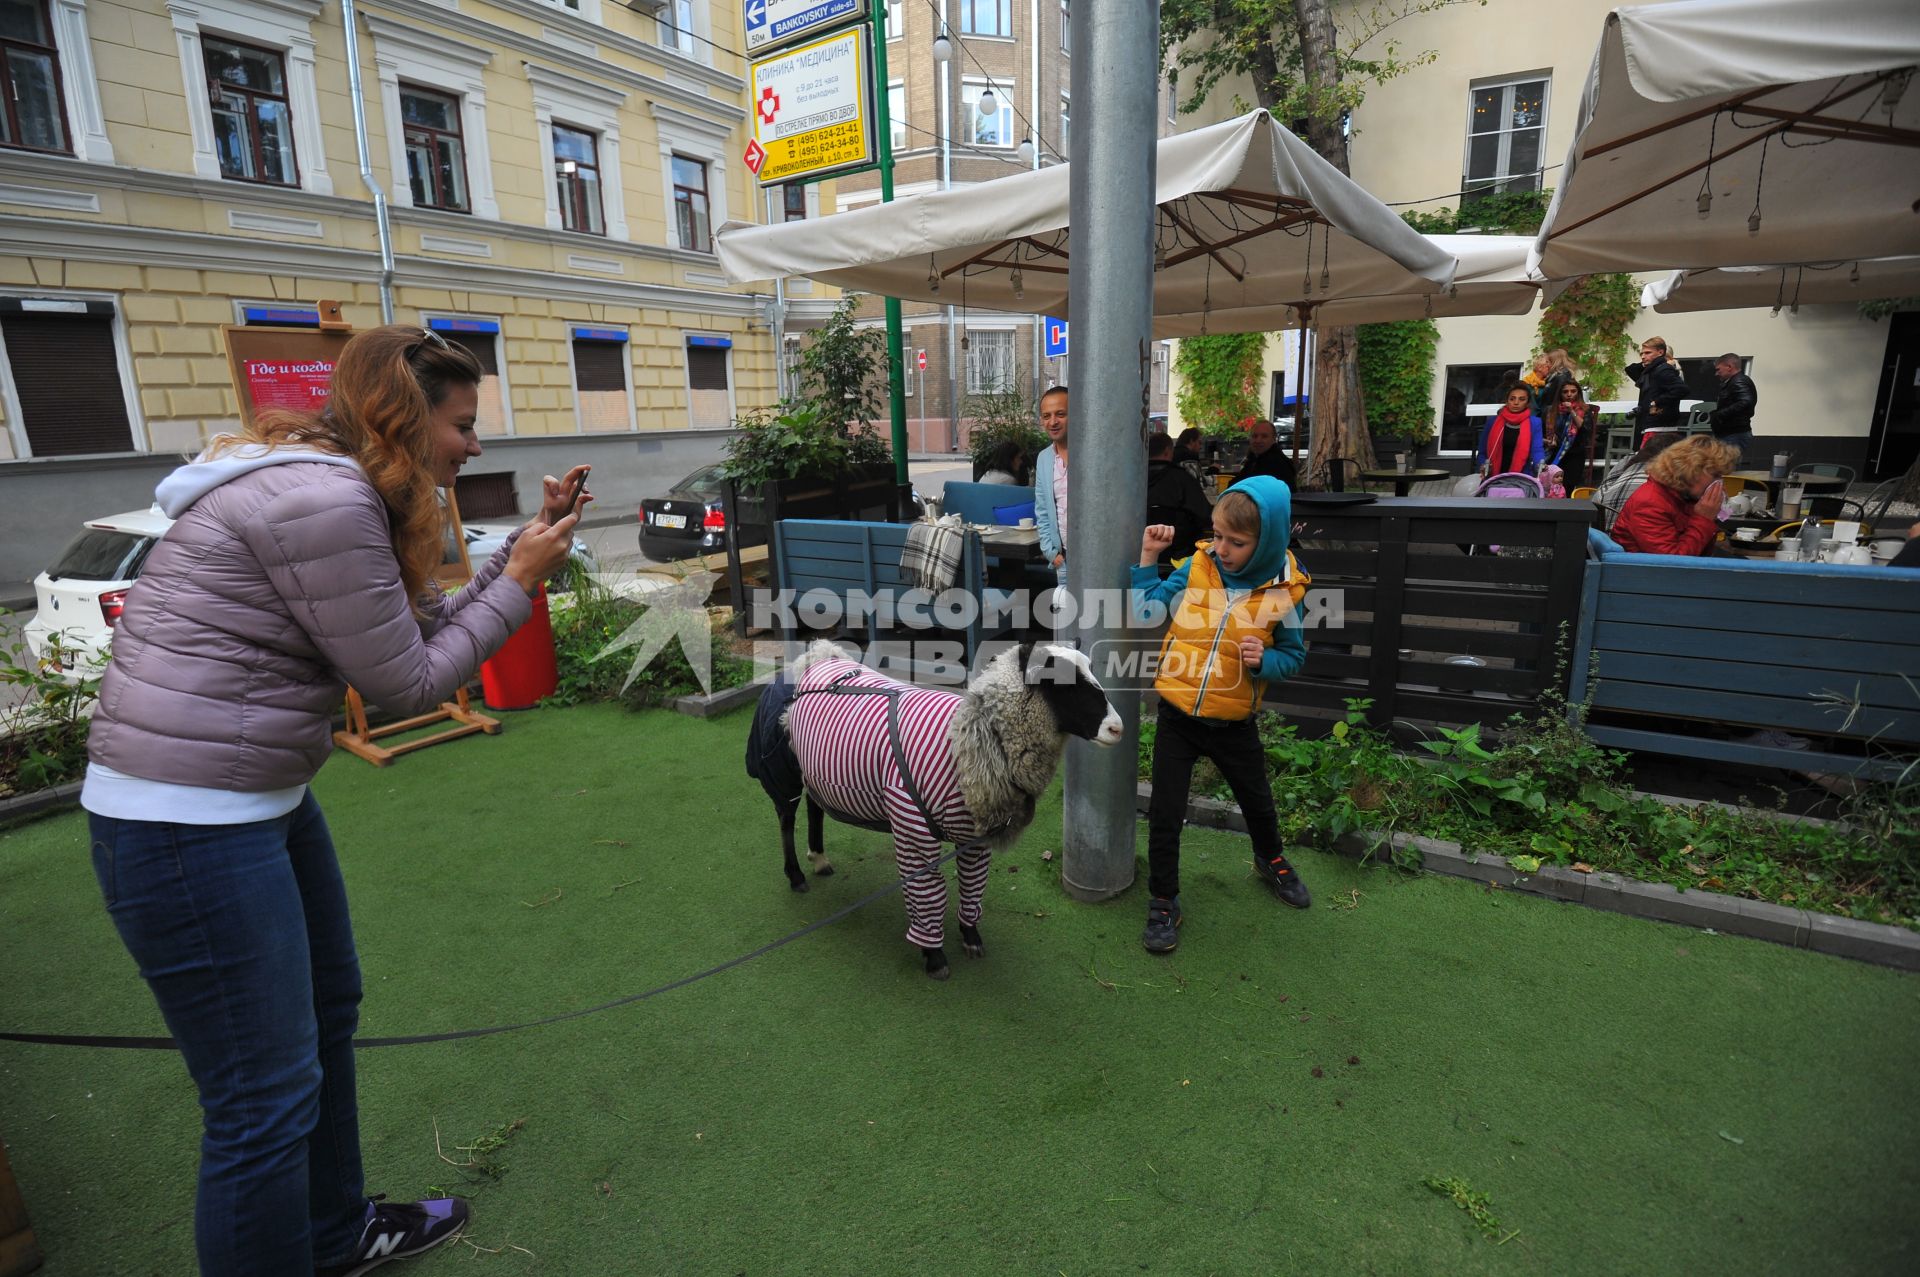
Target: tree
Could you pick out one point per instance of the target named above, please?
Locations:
(1309, 72)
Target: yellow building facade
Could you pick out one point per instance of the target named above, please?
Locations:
(555, 173)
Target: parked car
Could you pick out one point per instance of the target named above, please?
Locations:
(485, 537)
(691, 519)
(81, 596)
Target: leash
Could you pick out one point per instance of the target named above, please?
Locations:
(840, 687)
(111, 1042)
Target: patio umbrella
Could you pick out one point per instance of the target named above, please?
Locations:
(1250, 221)
(1730, 132)
(1732, 287)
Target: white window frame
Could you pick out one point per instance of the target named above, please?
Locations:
(445, 65)
(122, 357)
(1003, 14)
(698, 49)
(686, 374)
(1066, 126)
(1507, 83)
(1066, 28)
(573, 376)
(500, 360)
(896, 21)
(692, 137)
(79, 83)
(970, 91)
(594, 108)
(968, 364)
(284, 26)
(897, 120)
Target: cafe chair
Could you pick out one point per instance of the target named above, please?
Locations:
(1789, 529)
(1878, 502)
(1582, 494)
(1334, 474)
(1733, 487)
(1826, 470)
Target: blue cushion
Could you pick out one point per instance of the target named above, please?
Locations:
(1008, 515)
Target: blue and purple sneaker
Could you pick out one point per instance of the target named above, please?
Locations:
(396, 1230)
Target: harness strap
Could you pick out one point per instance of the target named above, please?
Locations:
(839, 688)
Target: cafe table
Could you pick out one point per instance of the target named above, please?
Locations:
(1811, 483)
(1403, 480)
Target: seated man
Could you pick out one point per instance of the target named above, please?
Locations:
(1175, 498)
(1264, 458)
(1909, 556)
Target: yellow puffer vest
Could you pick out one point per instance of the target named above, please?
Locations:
(1200, 669)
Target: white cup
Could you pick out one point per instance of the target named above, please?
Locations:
(1789, 551)
(1400, 462)
(1027, 522)
(1860, 556)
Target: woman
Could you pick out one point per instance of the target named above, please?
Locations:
(1678, 510)
(1625, 479)
(299, 562)
(1006, 463)
(1661, 386)
(1559, 372)
(1050, 483)
(1568, 434)
(1511, 442)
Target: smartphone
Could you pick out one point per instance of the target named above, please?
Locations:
(573, 498)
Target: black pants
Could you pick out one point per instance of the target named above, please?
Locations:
(1234, 746)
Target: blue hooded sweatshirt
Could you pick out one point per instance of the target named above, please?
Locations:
(1269, 563)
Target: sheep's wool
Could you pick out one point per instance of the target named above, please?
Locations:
(1006, 745)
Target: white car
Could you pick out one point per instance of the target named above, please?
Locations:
(80, 597)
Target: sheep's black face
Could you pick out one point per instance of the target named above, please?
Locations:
(1064, 679)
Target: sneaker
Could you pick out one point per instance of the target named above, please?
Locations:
(396, 1230)
(1281, 876)
(1163, 925)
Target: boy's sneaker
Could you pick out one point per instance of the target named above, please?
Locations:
(1163, 925)
(1279, 874)
(396, 1230)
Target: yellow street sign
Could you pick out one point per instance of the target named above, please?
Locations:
(812, 108)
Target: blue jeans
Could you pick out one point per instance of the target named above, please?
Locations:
(1743, 440)
(241, 931)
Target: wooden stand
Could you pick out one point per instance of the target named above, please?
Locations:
(358, 739)
(19, 1253)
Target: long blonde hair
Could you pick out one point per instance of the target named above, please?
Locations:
(385, 386)
(1685, 463)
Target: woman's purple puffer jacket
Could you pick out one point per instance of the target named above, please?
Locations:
(275, 588)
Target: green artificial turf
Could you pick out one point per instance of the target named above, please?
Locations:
(1631, 1097)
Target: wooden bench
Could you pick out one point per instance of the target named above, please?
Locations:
(1818, 650)
(976, 502)
(844, 558)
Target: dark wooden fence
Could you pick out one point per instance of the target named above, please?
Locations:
(1418, 584)
(867, 492)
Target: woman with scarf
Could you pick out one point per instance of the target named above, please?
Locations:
(1569, 434)
(1512, 441)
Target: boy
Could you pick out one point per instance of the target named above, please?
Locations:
(1227, 639)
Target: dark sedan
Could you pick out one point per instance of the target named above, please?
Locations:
(691, 520)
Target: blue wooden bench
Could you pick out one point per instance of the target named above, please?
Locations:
(1813, 649)
(842, 558)
(976, 502)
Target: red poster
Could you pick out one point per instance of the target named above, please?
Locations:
(275, 383)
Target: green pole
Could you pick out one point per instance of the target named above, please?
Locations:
(896, 360)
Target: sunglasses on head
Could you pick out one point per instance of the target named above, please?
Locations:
(427, 335)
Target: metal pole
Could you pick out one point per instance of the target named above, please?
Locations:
(1116, 61)
(779, 325)
(946, 184)
(896, 367)
(382, 224)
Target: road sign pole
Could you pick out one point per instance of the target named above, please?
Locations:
(896, 363)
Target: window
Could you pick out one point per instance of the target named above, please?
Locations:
(988, 130)
(600, 379)
(1066, 127)
(709, 396)
(436, 161)
(34, 118)
(1474, 393)
(986, 17)
(793, 202)
(1506, 130)
(1173, 96)
(577, 177)
(990, 365)
(1160, 362)
(252, 122)
(690, 212)
(897, 114)
(896, 23)
(276, 315)
(676, 25)
(481, 339)
(1066, 26)
(69, 399)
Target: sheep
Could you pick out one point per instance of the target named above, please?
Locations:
(975, 765)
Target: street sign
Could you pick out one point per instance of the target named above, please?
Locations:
(773, 23)
(755, 156)
(1056, 343)
(812, 108)
(921, 360)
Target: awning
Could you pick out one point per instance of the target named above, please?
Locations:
(1251, 222)
(1734, 132)
(1733, 287)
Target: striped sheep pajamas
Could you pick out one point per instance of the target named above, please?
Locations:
(847, 758)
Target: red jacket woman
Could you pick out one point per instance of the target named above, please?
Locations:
(1677, 511)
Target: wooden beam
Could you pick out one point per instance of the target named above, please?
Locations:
(1173, 214)
(1263, 229)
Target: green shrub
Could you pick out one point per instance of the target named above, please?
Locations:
(45, 741)
(598, 617)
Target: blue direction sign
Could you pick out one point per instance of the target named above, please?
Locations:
(773, 23)
(1056, 342)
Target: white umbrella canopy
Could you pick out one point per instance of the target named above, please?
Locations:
(1249, 219)
(1734, 287)
(1492, 279)
(1730, 132)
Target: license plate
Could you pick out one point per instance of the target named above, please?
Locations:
(669, 520)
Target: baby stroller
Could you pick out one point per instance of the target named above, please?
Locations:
(1511, 485)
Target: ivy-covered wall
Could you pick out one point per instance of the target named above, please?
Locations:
(1219, 379)
(1396, 376)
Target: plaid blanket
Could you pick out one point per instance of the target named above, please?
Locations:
(931, 557)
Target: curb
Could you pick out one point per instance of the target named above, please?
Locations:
(1881, 943)
(702, 705)
(38, 801)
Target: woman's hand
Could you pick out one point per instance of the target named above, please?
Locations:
(540, 552)
(1156, 538)
(553, 493)
(1251, 650)
(1711, 498)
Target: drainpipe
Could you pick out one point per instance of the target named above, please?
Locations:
(350, 23)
